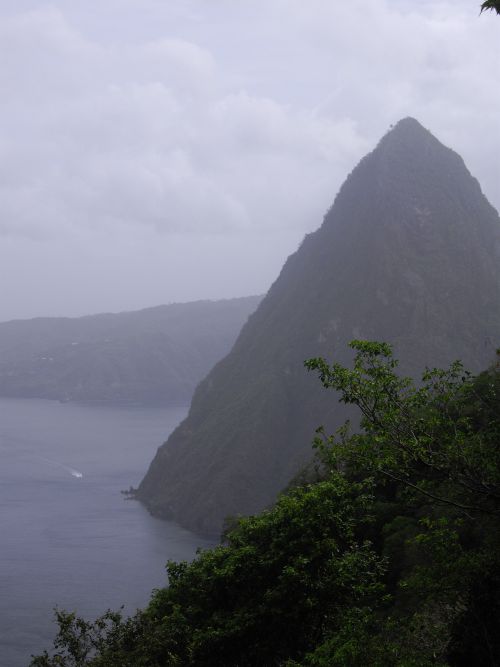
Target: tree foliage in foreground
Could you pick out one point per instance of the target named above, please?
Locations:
(493, 5)
(438, 440)
(390, 558)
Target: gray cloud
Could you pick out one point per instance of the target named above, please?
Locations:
(211, 135)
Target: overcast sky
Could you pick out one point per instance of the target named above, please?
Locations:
(169, 150)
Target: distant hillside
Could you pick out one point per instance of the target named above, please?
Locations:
(409, 254)
(152, 356)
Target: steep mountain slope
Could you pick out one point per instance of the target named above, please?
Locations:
(152, 356)
(409, 253)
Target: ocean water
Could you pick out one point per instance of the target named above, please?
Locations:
(68, 538)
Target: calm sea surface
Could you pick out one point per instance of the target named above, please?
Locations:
(67, 535)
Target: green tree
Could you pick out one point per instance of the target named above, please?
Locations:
(391, 558)
(432, 452)
(493, 5)
(439, 439)
(263, 598)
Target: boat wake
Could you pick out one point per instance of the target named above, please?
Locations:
(71, 471)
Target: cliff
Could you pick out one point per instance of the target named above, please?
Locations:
(409, 254)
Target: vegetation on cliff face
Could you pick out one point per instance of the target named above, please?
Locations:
(390, 557)
(409, 253)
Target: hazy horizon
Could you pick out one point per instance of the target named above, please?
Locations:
(129, 310)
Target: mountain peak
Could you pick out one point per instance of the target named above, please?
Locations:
(410, 142)
(408, 168)
(409, 254)
(408, 125)
(408, 134)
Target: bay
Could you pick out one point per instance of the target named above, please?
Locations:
(68, 537)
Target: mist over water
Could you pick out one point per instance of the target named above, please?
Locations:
(68, 537)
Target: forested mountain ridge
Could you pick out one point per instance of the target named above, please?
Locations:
(152, 356)
(409, 253)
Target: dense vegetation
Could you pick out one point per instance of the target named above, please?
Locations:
(493, 5)
(385, 553)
